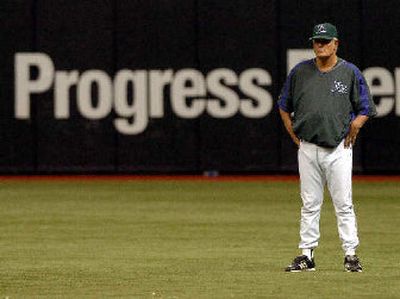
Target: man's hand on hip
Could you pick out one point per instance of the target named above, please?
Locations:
(355, 127)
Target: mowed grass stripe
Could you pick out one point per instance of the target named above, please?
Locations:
(186, 240)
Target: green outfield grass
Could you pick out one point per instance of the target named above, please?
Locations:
(153, 239)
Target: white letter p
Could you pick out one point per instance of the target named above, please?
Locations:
(24, 86)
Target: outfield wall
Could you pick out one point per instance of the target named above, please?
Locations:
(170, 86)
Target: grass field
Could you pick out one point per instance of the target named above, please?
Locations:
(166, 239)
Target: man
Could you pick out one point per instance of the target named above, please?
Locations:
(324, 103)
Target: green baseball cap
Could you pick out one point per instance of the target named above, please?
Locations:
(324, 31)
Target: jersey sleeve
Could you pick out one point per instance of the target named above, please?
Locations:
(285, 101)
(362, 99)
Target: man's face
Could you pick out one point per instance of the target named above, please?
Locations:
(325, 48)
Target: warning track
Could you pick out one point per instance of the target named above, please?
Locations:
(194, 178)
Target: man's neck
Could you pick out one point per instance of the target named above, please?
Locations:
(325, 64)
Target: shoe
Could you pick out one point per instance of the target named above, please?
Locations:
(352, 264)
(301, 263)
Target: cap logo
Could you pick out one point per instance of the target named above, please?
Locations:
(320, 29)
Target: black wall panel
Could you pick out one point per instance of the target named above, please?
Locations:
(158, 35)
(17, 150)
(146, 40)
(380, 43)
(238, 143)
(76, 35)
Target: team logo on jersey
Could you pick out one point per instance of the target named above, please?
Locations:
(339, 87)
(320, 29)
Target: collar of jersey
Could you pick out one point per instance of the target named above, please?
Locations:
(338, 63)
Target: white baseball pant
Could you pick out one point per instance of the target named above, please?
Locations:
(319, 166)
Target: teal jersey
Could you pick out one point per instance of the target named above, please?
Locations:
(325, 103)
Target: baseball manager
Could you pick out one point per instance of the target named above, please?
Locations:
(324, 103)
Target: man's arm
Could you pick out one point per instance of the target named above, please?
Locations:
(355, 127)
(363, 105)
(287, 121)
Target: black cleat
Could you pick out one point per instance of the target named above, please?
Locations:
(301, 263)
(352, 264)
